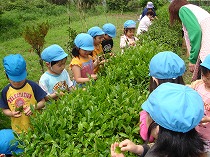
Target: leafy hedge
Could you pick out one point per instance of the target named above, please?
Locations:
(86, 122)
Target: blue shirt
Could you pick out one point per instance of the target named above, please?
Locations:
(145, 12)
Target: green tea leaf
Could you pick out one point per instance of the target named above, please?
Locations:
(118, 150)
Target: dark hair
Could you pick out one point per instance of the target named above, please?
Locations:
(204, 70)
(153, 85)
(6, 75)
(75, 51)
(174, 7)
(150, 12)
(55, 62)
(152, 126)
(177, 144)
(126, 30)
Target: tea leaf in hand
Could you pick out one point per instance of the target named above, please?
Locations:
(118, 150)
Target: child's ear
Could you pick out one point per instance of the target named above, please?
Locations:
(155, 80)
(47, 64)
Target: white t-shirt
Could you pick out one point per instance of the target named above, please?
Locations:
(51, 83)
(144, 25)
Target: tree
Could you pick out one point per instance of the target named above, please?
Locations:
(35, 37)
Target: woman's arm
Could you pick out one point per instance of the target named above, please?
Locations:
(194, 32)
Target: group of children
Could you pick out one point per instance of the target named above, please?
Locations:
(22, 95)
(176, 116)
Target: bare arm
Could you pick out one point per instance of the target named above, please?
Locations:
(10, 113)
(77, 75)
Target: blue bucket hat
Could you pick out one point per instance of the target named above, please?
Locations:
(95, 31)
(109, 29)
(84, 41)
(130, 24)
(53, 53)
(175, 107)
(206, 62)
(15, 67)
(166, 65)
(6, 144)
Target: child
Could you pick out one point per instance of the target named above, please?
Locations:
(82, 64)
(128, 39)
(145, 22)
(18, 96)
(202, 86)
(110, 32)
(177, 110)
(8, 144)
(56, 79)
(149, 7)
(98, 37)
(164, 67)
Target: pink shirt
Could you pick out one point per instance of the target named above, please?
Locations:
(204, 128)
(143, 126)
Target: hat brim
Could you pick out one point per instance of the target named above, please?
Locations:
(18, 78)
(60, 57)
(100, 33)
(205, 65)
(90, 48)
(112, 35)
(150, 6)
(131, 26)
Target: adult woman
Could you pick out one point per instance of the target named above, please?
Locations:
(196, 24)
(180, 109)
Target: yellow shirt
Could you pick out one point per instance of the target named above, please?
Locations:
(18, 99)
(98, 50)
(86, 65)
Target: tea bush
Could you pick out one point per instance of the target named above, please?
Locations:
(86, 122)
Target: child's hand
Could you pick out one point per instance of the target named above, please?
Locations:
(94, 76)
(205, 119)
(16, 114)
(132, 44)
(102, 62)
(27, 111)
(97, 61)
(61, 93)
(128, 145)
(114, 153)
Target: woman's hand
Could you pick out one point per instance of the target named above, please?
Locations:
(191, 67)
(113, 153)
